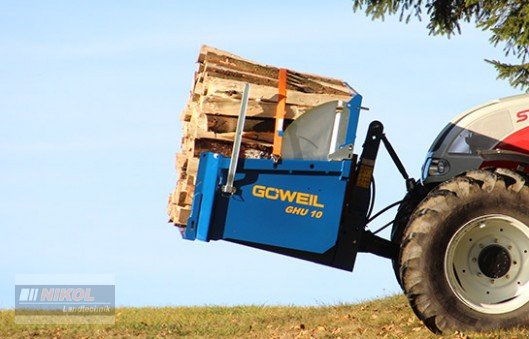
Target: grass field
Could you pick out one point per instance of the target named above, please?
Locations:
(386, 318)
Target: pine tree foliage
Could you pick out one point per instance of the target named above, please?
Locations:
(507, 20)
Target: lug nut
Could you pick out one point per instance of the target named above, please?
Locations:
(474, 260)
(481, 246)
(509, 247)
(492, 281)
(496, 240)
(479, 274)
(507, 276)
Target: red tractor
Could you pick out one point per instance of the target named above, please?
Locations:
(464, 231)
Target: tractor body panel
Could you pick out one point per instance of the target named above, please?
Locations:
(502, 124)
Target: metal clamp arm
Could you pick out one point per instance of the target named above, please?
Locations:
(229, 188)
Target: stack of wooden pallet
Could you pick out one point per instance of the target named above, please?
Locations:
(210, 117)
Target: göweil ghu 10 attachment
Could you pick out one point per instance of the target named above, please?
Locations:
(316, 194)
(460, 239)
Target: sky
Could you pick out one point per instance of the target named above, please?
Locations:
(90, 98)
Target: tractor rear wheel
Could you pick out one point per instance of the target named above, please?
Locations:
(464, 262)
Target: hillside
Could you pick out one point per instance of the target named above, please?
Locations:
(385, 318)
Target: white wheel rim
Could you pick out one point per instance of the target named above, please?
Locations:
(465, 257)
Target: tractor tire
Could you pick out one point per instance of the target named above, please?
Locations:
(464, 261)
(406, 208)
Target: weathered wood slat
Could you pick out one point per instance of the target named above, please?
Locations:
(181, 162)
(295, 83)
(249, 148)
(251, 139)
(227, 124)
(180, 215)
(233, 89)
(212, 55)
(229, 106)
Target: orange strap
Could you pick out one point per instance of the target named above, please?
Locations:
(280, 112)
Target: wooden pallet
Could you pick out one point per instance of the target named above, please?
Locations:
(210, 116)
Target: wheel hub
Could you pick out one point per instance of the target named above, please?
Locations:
(494, 261)
(487, 264)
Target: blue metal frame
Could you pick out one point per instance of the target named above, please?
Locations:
(274, 204)
(295, 207)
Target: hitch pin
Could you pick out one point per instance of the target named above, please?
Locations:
(229, 188)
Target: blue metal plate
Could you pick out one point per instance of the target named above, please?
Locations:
(295, 204)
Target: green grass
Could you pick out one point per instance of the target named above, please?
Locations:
(386, 318)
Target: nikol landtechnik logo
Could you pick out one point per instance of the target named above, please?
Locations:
(64, 303)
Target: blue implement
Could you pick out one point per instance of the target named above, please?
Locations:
(314, 210)
(308, 209)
